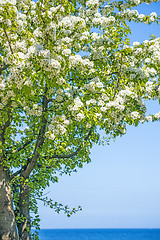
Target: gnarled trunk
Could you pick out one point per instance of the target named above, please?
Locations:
(24, 226)
(8, 230)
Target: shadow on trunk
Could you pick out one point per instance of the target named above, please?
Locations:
(24, 226)
(8, 230)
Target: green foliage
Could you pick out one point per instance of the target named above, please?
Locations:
(54, 101)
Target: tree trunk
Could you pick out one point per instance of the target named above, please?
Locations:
(8, 230)
(25, 226)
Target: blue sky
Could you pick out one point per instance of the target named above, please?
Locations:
(120, 188)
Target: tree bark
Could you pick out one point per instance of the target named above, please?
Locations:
(24, 227)
(8, 230)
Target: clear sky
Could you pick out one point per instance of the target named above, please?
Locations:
(120, 188)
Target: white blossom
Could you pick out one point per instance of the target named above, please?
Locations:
(135, 115)
(157, 115)
(2, 85)
(79, 117)
(66, 52)
(60, 81)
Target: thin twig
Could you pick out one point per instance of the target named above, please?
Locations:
(58, 10)
(120, 71)
(9, 41)
(26, 144)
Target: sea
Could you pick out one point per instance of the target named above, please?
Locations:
(99, 234)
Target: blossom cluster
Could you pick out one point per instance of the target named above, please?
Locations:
(89, 77)
(57, 126)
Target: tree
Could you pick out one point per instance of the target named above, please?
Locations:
(67, 70)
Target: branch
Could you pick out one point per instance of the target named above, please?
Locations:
(18, 150)
(71, 34)
(9, 41)
(18, 172)
(4, 67)
(7, 123)
(111, 74)
(156, 88)
(106, 75)
(119, 77)
(71, 154)
(58, 10)
(22, 147)
(9, 119)
(41, 15)
(40, 140)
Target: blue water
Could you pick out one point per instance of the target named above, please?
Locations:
(99, 234)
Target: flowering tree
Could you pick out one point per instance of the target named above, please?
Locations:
(66, 69)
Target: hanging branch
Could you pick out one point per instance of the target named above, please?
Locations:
(68, 155)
